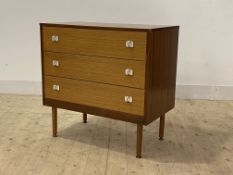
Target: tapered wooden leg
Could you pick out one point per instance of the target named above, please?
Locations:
(84, 118)
(161, 127)
(139, 140)
(54, 121)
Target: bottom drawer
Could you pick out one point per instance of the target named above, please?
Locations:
(117, 98)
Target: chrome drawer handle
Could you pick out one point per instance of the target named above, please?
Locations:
(129, 72)
(56, 87)
(55, 63)
(129, 44)
(128, 99)
(55, 38)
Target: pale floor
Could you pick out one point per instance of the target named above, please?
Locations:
(198, 140)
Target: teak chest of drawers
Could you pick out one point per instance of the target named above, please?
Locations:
(125, 72)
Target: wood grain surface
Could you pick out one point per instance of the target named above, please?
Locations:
(103, 26)
(198, 141)
(95, 94)
(108, 43)
(161, 72)
(99, 69)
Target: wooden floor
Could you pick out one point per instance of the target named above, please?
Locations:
(198, 140)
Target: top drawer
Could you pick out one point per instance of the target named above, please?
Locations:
(108, 43)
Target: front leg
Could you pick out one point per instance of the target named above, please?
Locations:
(161, 127)
(139, 140)
(54, 121)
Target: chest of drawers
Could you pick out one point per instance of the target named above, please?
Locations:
(124, 72)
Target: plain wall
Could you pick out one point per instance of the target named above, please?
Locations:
(205, 42)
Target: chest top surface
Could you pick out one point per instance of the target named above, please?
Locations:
(96, 25)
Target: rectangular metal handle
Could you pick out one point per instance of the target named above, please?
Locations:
(55, 38)
(129, 72)
(128, 99)
(55, 63)
(56, 87)
(129, 44)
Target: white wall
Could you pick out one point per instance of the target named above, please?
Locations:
(206, 33)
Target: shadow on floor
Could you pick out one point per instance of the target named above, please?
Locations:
(185, 144)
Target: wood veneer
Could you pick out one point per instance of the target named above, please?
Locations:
(161, 72)
(93, 59)
(95, 94)
(108, 43)
(92, 68)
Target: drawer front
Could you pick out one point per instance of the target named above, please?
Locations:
(108, 43)
(117, 98)
(129, 73)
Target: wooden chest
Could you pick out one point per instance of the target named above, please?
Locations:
(125, 72)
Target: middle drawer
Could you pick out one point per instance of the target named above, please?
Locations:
(130, 73)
